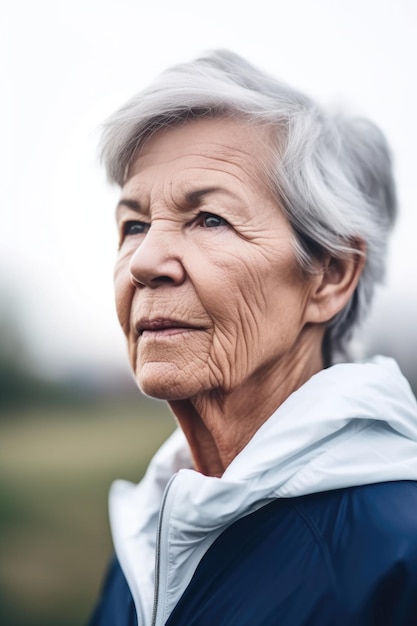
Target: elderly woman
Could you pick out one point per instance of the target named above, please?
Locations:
(253, 229)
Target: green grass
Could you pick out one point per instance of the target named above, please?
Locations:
(56, 468)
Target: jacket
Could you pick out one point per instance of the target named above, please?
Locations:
(314, 522)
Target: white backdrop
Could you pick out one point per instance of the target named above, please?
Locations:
(70, 64)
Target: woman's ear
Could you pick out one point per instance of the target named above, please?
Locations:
(334, 284)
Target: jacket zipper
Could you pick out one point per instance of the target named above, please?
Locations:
(160, 532)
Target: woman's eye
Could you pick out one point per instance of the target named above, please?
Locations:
(209, 220)
(134, 228)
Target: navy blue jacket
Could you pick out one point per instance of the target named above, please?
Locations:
(341, 557)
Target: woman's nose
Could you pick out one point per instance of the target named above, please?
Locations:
(155, 261)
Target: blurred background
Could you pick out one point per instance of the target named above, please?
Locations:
(71, 419)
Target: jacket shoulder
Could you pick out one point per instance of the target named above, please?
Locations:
(369, 536)
(347, 556)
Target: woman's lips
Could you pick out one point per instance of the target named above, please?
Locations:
(163, 327)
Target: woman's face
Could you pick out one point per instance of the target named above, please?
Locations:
(207, 287)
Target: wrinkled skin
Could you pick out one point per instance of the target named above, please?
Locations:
(247, 327)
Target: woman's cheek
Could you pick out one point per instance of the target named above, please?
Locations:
(124, 291)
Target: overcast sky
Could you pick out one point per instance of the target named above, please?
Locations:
(70, 64)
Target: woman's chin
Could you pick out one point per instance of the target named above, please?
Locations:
(165, 381)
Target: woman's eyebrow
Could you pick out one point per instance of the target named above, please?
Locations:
(130, 204)
(193, 198)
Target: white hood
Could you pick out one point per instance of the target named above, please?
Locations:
(351, 424)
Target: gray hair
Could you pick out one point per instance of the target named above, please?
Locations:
(332, 175)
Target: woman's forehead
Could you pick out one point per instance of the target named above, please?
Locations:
(215, 143)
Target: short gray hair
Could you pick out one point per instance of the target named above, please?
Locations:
(332, 175)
